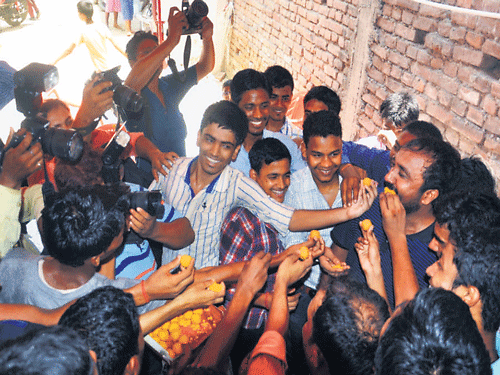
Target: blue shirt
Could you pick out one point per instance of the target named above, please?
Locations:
(375, 162)
(242, 162)
(6, 83)
(167, 129)
(346, 235)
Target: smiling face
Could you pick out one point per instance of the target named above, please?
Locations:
(217, 149)
(443, 273)
(406, 177)
(255, 104)
(274, 178)
(279, 102)
(323, 156)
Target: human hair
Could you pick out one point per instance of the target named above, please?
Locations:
(246, 80)
(51, 104)
(267, 151)
(475, 176)
(444, 171)
(473, 221)
(107, 319)
(321, 124)
(400, 108)
(82, 222)
(46, 351)
(227, 83)
(226, 115)
(422, 129)
(433, 335)
(278, 77)
(133, 43)
(346, 327)
(326, 96)
(86, 172)
(86, 8)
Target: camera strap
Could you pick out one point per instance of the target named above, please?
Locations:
(181, 77)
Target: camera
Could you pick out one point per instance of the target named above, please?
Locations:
(30, 82)
(150, 201)
(194, 14)
(123, 96)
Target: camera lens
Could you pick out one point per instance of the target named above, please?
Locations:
(197, 11)
(62, 143)
(150, 201)
(127, 98)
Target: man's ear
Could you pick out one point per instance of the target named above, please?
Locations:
(253, 174)
(471, 296)
(198, 138)
(429, 196)
(133, 366)
(235, 153)
(96, 260)
(303, 148)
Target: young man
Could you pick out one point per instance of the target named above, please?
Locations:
(206, 188)
(321, 98)
(281, 82)
(466, 241)
(433, 334)
(250, 90)
(423, 171)
(161, 120)
(94, 36)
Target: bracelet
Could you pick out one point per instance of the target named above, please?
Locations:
(144, 293)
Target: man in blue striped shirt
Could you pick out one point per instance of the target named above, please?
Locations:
(206, 188)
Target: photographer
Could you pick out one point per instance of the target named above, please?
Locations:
(18, 163)
(161, 120)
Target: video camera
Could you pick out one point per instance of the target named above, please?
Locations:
(123, 96)
(30, 82)
(150, 201)
(194, 14)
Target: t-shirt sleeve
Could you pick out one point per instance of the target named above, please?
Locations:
(179, 89)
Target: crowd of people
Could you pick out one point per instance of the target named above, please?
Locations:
(379, 256)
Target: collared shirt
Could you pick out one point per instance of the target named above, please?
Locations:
(303, 193)
(290, 130)
(346, 235)
(242, 162)
(243, 235)
(207, 210)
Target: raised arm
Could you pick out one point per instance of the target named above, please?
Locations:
(207, 59)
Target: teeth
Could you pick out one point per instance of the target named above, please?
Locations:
(213, 161)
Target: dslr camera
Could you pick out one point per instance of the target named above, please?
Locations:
(194, 14)
(30, 82)
(123, 96)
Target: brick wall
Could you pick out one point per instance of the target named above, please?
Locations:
(449, 60)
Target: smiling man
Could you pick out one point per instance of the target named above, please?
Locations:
(422, 171)
(466, 242)
(251, 91)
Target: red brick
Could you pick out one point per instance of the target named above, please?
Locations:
(458, 34)
(366, 123)
(390, 41)
(481, 82)
(492, 144)
(399, 60)
(444, 28)
(491, 48)
(407, 17)
(488, 27)
(405, 32)
(437, 64)
(411, 52)
(376, 75)
(401, 46)
(444, 98)
(489, 105)
(396, 13)
(380, 51)
(408, 4)
(407, 79)
(425, 24)
(387, 11)
(475, 40)
(431, 91)
(468, 56)
(439, 113)
(430, 11)
(418, 84)
(465, 73)
(463, 19)
(475, 115)
(396, 72)
(467, 147)
(424, 58)
(492, 124)
(495, 89)
(452, 137)
(468, 130)
(491, 6)
(469, 95)
(458, 106)
(439, 44)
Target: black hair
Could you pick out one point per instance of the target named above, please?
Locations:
(227, 83)
(400, 108)
(346, 327)
(86, 8)
(51, 104)
(246, 80)
(278, 77)
(226, 115)
(107, 319)
(473, 220)
(475, 176)
(81, 223)
(434, 335)
(423, 129)
(46, 351)
(267, 151)
(326, 96)
(444, 172)
(133, 43)
(321, 124)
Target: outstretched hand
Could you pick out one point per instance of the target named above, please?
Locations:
(254, 273)
(162, 284)
(366, 196)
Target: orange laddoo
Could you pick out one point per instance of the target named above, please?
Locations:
(315, 235)
(304, 253)
(216, 287)
(185, 260)
(367, 181)
(366, 224)
(389, 191)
